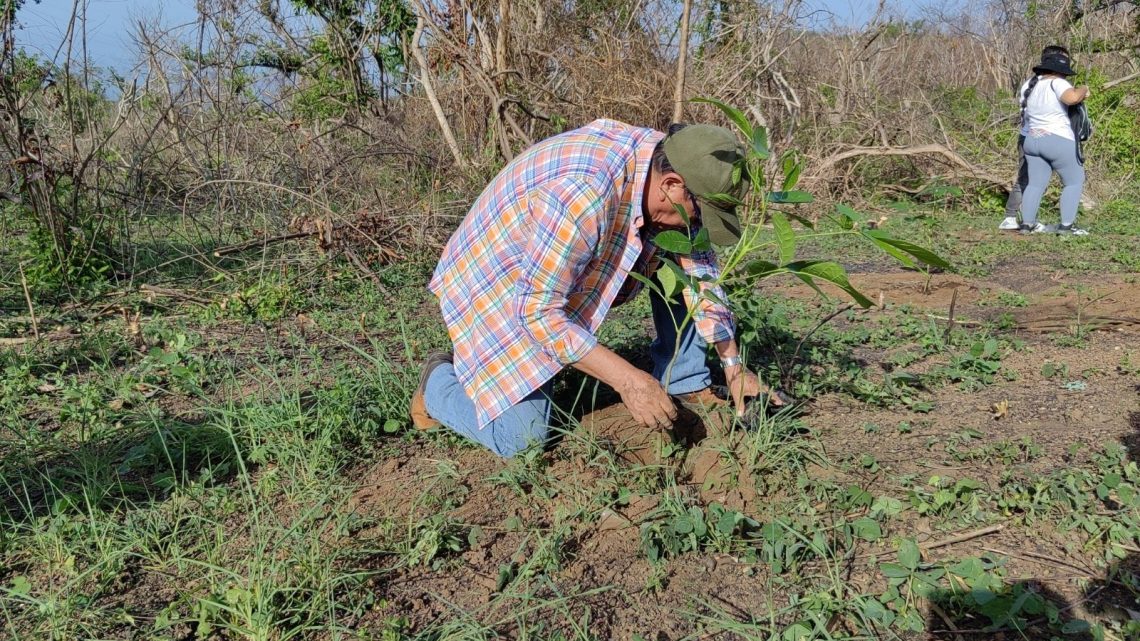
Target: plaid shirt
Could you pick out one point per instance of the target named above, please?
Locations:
(534, 267)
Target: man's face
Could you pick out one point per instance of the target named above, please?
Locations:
(667, 192)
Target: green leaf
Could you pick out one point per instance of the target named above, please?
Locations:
(895, 252)
(683, 524)
(698, 518)
(726, 524)
(921, 253)
(792, 166)
(668, 280)
(1111, 480)
(785, 237)
(847, 216)
(1076, 626)
(673, 241)
(762, 268)
(21, 586)
(893, 570)
(760, 142)
(831, 272)
(909, 556)
(735, 115)
(647, 282)
(392, 426)
(867, 529)
(682, 213)
(798, 632)
(702, 243)
(803, 220)
(970, 569)
(723, 198)
(790, 197)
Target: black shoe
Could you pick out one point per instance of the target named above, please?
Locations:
(1071, 230)
(1035, 228)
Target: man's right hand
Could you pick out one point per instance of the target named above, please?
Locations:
(647, 401)
(642, 394)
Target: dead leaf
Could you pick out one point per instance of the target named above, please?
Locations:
(1000, 409)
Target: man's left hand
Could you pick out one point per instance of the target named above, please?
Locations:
(743, 385)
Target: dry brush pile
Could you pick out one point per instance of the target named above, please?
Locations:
(267, 119)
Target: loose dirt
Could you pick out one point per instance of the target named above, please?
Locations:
(603, 554)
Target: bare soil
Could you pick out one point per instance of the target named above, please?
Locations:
(604, 554)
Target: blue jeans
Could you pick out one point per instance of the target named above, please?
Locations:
(528, 422)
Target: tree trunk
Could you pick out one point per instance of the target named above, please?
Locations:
(425, 80)
(682, 59)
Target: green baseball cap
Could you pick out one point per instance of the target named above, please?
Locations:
(704, 155)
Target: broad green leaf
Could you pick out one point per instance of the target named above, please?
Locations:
(847, 216)
(673, 241)
(792, 166)
(735, 115)
(898, 254)
(909, 556)
(803, 220)
(726, 523)
(970, 569)
(724, 198)
(831, 272)
(790, 197)
(798, 632)
(785, 237)
(702, 243)
(760, 142)
(697, 516)
(21, 586)
(867, 529)
(682, 213)
(894, 570)
(668, 280)
(647, 282)
(1076, 626)
(921, 253)
(683, 524)
(762, 268)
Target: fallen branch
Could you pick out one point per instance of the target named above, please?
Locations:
(973, 534)
(173, 293)
(950, 156)
(262, 242)
(1119, 81)
(21, 340)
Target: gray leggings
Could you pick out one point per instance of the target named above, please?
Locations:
(1044, 155)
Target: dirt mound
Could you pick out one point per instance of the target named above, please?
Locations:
(703, 450)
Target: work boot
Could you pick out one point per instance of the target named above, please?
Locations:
(706, 398)
(421, 420)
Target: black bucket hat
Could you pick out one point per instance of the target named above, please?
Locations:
(1055, 63)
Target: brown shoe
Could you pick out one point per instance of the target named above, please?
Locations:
(706, 398)
(421, 420)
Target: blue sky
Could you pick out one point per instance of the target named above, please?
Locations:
(111, 22)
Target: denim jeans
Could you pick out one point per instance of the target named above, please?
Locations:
(528, 422)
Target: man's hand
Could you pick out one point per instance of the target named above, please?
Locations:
(743, 385)
(647, 401)
(642, 394)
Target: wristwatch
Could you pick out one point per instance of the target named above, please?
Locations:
(731, 361)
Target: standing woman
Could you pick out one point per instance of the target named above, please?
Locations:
(1050, 144)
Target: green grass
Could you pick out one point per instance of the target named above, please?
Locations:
(193, 475)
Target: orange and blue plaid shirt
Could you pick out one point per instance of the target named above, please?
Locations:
(543, 254)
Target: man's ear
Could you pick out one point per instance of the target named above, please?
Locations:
(671, 180)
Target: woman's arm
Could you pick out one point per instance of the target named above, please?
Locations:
(1075, 95)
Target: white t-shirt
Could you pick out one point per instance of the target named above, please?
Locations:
(1044, 110)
